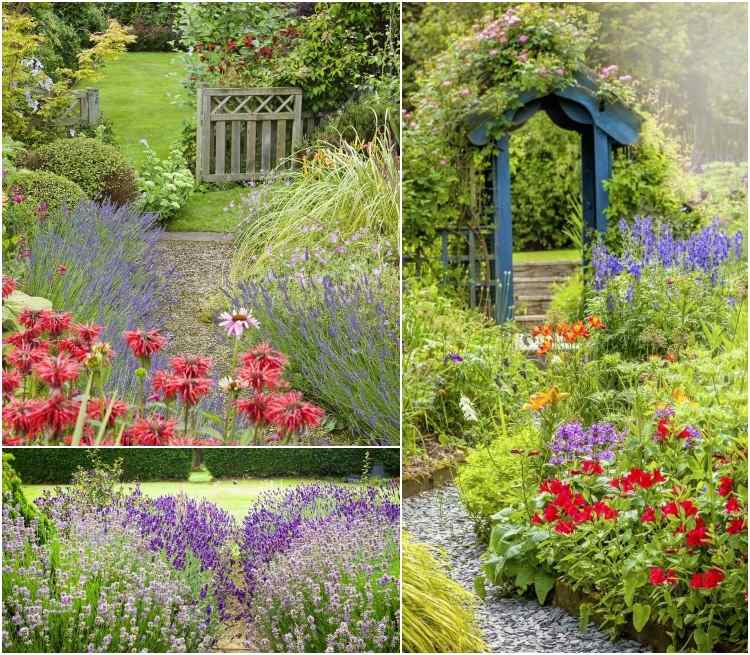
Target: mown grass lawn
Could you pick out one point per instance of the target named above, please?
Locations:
(142, 95)
(546, 256)
(234, 496)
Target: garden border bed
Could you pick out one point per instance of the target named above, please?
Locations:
(436, 478)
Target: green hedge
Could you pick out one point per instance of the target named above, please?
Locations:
(270, 462)
(57, 465)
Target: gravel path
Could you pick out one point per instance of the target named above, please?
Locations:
(508, 624)
(198, 264)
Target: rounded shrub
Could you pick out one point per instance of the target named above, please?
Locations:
(99, 169)
(43, 191)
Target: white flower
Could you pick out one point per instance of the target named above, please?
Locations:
(467, 408)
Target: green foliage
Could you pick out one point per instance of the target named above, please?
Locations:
(439, 614)
(723, 194)
(99, 169)
(14, 497)
(58, 465)
(304, 462)
(567, 300)
(164, 184)
(40, 186)
(151, 22)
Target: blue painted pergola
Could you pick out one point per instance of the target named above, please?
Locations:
(602, 126)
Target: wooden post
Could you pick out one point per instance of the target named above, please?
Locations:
(92, 100)
(602, 172)
(297, 125)
(201, 142)
(588, 188)
(503, 234)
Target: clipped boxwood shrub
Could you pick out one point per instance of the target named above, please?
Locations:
(283, 462)
(45, 188)
(99, 169)
(13, 494)
(57, 465)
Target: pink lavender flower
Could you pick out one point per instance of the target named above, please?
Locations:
(237, 321)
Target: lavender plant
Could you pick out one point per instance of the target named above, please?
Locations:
(572, 442)
(100, 262)
(335, 589)
(656, 295)
(98, 588)
(343, 343)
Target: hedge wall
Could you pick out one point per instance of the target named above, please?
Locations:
(268, 462)
(57, 465)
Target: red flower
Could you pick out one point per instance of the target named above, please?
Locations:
(265, 355)
(31, 319)
(59, 412)
(165, 383)
(54, 322)
(564, 527)
(552, 486)
(673, 508)
(77, 350)
(254, 407)
(11, 381)
(56, 371)
(550, 512)
(191, 390)
(707, 580)
(735, 526)
(260, 376)
(732, 506)
(24, 416)
(87, 333)
(144, 343)
(592, 467)
(662, 429)
(658, 576)
(537, 519)
(725, 486)
(25, 356)
(602, 510)
(191, 366)
(97, 408)
(291, 414)
(150, 431)
(649, 515)
(698, 536)
(9, 286)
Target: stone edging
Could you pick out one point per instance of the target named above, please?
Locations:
(435, 479)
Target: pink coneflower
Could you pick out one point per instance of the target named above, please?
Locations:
(290, 413)
(264, 354)
(11, 382)
(54, 322)
(87, 333)
(24, 416)
(191, 366)
(237, 321)
(254, 407)
(260, 376)
(144, 343)
(59, 412)
(56, 371)
(9, 286)
(97, 408)
(154, 430)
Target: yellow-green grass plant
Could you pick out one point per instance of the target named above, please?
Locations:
(438, 613)
(351, 190)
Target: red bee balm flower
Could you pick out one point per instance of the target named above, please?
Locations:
(56, 371)
(54, 322)
(725, 486)
(25, 356)
(151, 431)
(191, 390)
(87, 333)
(59, 412)
(144, 343)
(260, 376)
(291, 414)
(264, 354)
(707, 580)
(24, 416)
(658, 576)
(97, 408)
(191, 366)
(9, 286)
(254, 407)
(11, 382)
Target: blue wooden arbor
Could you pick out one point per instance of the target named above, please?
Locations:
(602, 126)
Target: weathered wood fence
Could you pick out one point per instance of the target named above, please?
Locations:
(84, 109)
(248, 134)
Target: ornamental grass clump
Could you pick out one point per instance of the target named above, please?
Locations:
(439, 614)
(335, 589)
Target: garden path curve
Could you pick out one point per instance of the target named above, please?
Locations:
(197, 264)
(437, 517)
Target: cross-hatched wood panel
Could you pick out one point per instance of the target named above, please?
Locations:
(247, 134)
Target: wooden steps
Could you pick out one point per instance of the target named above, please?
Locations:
(533, 286)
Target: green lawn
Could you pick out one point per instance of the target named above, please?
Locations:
(218, 210)
(546, 256)
(234, 496)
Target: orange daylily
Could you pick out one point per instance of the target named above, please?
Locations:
(545, 346)
(595, 322)
(538, 401)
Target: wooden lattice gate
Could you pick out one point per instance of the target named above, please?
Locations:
(246, 134)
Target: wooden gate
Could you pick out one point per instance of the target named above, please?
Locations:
(246, 134)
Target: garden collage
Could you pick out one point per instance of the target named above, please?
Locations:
(374, 327)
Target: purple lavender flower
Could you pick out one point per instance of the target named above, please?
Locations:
(572, 442)
(453, 357)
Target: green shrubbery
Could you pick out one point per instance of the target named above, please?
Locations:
(50, 190)
(57, 465)
(165, 184)
(304, 462)
(13, 495)
(99, 169)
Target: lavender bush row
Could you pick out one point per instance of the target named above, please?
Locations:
(98, 588)
(335, 589)
(100, 262)
(278, 518)
(343, 343)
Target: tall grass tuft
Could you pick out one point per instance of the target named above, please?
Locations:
(352, 190)
(100, 263)
(438, 612)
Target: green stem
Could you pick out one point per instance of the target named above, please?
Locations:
(82, 412)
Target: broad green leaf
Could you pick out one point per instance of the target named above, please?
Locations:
(525, 576)
(479, 586)
(543, 584)
(641, 615)
(17, 301)
(584, 616)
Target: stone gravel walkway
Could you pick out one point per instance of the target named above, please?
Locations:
(197, 264)
(508, 624)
